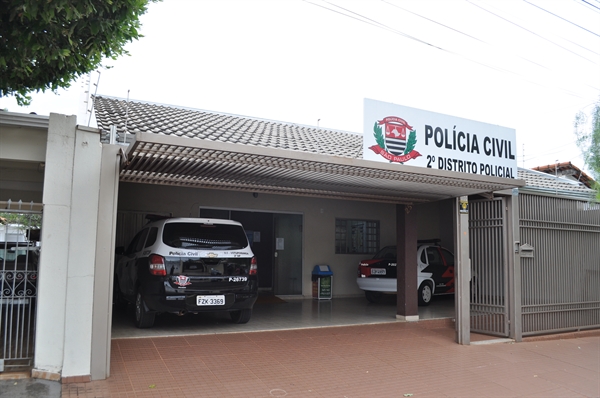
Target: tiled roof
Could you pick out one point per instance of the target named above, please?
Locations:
(569, 170)
(136, 116)
(538, 179)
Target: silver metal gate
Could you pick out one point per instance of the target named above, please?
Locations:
(560, 279)
(19, 259)
(489, 273)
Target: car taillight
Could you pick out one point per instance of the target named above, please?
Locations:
(363, 270)
(253, 266)
(157, 265)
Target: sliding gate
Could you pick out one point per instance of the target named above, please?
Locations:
(489, 273)
(560, 279)
(19, 254)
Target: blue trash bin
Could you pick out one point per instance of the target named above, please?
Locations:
(322, 279)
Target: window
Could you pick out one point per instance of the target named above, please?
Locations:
(152, 235)
(194, 235)
(356, 236)
(137, 242)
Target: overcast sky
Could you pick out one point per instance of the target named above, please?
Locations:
(528, 65)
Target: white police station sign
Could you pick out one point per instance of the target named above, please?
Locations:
(399, 134)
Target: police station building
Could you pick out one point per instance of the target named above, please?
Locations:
(308, 196)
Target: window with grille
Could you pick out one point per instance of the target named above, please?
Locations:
(356, 236)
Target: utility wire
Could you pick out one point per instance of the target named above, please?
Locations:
(458, 31)
(369, 21)
(378, 24)
(589, 8)
(527, 30)
(558, 16)
(587, 2)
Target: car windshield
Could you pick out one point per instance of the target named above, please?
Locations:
(204, 236)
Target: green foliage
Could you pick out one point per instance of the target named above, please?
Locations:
(412, 141)
(378, 135)
(588, 140)
(46, 45)
(23, 219)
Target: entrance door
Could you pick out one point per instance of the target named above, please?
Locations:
(489, 273)
(288, 254)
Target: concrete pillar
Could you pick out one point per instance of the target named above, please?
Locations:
(66, 277)
(406, 265)
(462, 271)
(105, 261)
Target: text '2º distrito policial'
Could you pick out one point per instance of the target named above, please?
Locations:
(460, 141)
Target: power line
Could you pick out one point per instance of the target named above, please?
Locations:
(527, 30)
(587, 2)
(458, 31)
(372, 22)
(375, 23)
(558, 16)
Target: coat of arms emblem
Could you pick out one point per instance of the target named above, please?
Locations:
(398, 143)
(182, 281)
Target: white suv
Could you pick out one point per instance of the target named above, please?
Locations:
(182, 265)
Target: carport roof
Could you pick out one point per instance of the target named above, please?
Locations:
(195, 148)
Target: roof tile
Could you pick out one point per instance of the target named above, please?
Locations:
(214, 126)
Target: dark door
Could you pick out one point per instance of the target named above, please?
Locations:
(259, 228)
(288, 254)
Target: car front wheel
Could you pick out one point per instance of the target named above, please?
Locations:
(425, 294)
(143, 317)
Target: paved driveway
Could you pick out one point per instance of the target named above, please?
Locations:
(395, 359)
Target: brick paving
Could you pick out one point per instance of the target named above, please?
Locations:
(382, 360)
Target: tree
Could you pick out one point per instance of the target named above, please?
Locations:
(588, 140)
(24, 220)
(46, 45)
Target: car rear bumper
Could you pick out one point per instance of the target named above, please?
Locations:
(377, 284)
(187, 303)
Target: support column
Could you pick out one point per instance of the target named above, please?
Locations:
(462, 271)
(105, 261)
(406, 265)
(514, 268)
(66, 278)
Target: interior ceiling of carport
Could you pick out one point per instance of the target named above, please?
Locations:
(192, 148)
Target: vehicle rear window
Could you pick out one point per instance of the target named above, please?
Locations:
(204, 236)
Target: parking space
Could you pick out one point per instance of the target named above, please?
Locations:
(271, 313)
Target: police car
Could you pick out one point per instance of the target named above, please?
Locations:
(187, 265)
(435, 272)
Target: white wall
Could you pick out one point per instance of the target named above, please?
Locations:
(24, 144)
(65, 284)
(22, 155)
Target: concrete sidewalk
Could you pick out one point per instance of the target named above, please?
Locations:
(29, 388)
(395, 359)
